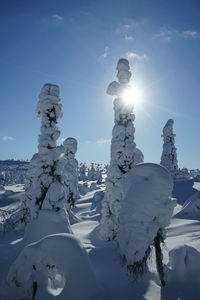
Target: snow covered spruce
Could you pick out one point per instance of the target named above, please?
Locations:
(145, 212)
(70, 170)
(124, 154)
(82, 172)
(46, 188)
(169, 155)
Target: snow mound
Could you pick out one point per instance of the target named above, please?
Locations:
(191, 208)
(183, 189)
(48, 222)
(146, 207)
(184, 263)
(63, 271)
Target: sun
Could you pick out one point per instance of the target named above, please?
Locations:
(132, 95)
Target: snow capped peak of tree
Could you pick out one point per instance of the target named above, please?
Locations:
(70, 145)
(168, 128)
(49, 99)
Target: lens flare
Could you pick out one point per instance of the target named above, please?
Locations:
(132, 96)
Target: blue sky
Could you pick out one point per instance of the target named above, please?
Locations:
(76, 44)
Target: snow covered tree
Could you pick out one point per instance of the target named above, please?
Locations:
(145, 212)
(99, 176)
(70, 170)
(91, 172)
(46, 189)
(82, 172)
(169, 156)
(124, 153)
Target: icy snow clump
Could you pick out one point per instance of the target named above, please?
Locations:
(146, 208)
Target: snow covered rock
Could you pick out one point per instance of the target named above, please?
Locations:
(169, 156)
(56, 266)
(124, 154)
(146, 210)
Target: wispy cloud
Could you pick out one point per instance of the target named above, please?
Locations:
(52, 20)
(6, 138)
(191, 34)
(57, 17)
(169, 35)
(165, 35)
(127, 26)
(106, 52)
(129, 38)
(103, 141)
(136, 56)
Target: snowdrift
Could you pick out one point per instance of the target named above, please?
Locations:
(56, 265)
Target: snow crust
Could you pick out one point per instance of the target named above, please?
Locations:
(146, 207)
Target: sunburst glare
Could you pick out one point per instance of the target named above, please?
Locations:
(132, 95)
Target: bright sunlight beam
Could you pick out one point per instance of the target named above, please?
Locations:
(132, 95)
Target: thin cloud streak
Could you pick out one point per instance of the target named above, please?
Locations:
(136, 56)
(189, 33)
(6, 138)
(57, 17)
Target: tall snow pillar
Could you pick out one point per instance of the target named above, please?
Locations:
(169, 155)
(46, 189)
(123, 152)
(70, 170)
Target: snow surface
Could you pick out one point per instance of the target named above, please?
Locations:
(105, 259)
